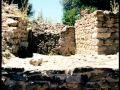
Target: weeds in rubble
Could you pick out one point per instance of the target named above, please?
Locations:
(114, 6)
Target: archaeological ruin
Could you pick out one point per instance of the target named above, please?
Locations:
(95, 33)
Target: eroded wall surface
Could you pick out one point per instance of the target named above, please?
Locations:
(14, 28)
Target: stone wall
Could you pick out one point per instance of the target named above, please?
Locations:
(53, 40)
(80, 79)
(97, 32)
(14, 28)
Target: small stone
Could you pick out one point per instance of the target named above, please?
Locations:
(115, 35)
(112, 29)
(36, 62)
(5, 60)
(101, 35)
(102, 48)
(98, 13)
(99, 24)
(116, 41)
(116, 25)
(102, 30)
(12, 22)
(97, 42)
(106, 12)
(108, 42)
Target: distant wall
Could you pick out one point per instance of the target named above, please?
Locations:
(14, 28)
(97, 32)
(54, 41)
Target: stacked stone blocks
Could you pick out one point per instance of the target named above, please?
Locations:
(98, 33)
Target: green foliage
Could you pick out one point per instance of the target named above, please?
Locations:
(71, 11)
(70, 4)
(72, 8)
(70, 16)
(29, 11)
(81, 5)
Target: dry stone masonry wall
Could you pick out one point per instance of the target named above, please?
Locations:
(14, 28)
(98, 32)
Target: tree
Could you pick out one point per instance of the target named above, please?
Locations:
(71, 10)
(30, 12)
(70, 16)
(74, 8)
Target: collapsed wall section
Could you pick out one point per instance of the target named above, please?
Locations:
(98, 33)
(56, 41)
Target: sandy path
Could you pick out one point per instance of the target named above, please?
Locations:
(58, 62)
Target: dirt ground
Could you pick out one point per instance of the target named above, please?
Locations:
(57, 62)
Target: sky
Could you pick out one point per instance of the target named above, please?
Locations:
(51, 9)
